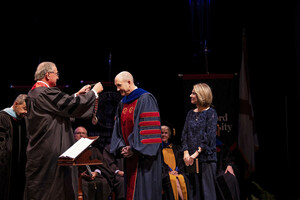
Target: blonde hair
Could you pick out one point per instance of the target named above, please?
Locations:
(204, 94)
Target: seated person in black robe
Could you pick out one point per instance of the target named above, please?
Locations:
(98, 182)
(116, 164)
(174, 181)
(226, 178)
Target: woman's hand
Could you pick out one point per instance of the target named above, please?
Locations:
(186, 158)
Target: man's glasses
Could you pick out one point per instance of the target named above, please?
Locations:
(54, 73)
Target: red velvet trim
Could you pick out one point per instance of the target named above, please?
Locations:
(149, 114)
(39, 84)
(131, 169)
(150, 132)
(127, 120)
(150, 123)
(151, 141)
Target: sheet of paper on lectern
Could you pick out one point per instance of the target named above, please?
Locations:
(77, 148)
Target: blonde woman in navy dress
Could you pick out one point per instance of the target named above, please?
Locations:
(199, 141)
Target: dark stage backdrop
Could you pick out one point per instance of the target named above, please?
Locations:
(107, 106)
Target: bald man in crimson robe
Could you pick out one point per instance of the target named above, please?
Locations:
(137, 137)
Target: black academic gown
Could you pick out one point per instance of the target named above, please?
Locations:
(115, 164)
(50, 134)
(101, 187)
(13, 144)
(227, 184)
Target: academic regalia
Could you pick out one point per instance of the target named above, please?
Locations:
(138, 124)
(13, 144)
(97, 189)
(173, 160)
(101, 187)
(50, 134)
(228, 184)
(115, 164)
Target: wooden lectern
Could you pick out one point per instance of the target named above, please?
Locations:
(79, 154)
(81, 157)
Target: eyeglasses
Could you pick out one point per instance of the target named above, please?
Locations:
(54, 73)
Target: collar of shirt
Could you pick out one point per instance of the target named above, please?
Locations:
(42, 82)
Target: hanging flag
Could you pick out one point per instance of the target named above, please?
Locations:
(247, 138)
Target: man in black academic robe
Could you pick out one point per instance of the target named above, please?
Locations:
(116, 165)
(97, 181)
(50, 134)
(13, 144)
(100, 186)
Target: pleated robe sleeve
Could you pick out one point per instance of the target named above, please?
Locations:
(146, 136)
(55, 101)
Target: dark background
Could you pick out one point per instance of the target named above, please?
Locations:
(156, 41)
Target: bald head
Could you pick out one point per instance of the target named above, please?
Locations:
(124, 83)
(124, 76)
(80, 132)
